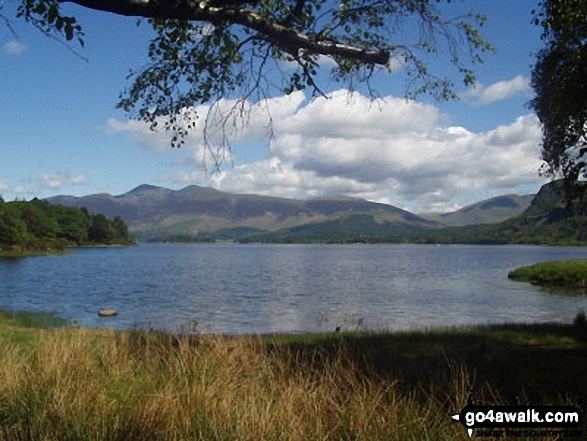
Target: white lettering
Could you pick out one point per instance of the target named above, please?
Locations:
(470, 418)
(536, 417)
(510, 417)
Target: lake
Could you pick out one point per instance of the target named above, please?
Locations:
(288, 288)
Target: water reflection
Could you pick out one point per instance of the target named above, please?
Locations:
(288, 288)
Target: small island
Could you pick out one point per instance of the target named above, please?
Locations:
(564, 273)
(36, 227)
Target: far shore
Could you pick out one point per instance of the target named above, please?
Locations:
(69, 249)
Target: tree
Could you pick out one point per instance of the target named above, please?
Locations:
(559, 79)
(120, 230)
(207, 50)
(13, 231)
(100, 230)
(73, 225)
(39, 218)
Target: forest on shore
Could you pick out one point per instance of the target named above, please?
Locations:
(37, 226)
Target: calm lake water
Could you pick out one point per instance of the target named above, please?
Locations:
(288, 288)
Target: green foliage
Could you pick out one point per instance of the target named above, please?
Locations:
(46, 16)
(28, 319)
(356, 228)
(100, 229)
(207, 51)
(13, 229)
(559, 80)
(38, 225)
(119, 229)
(73, 225)
(571, 273)
(195, 63)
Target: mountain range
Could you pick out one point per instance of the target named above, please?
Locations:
(157, 212)
(489, 211)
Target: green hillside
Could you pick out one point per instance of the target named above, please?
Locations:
(550, 219)
(489, 211)
(198, 213)
(547, 220)
(353, 228)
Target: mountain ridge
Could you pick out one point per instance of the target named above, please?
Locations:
(195, 210)
(487, 211)
(152, 211)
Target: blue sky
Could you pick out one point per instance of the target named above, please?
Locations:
(60, 132)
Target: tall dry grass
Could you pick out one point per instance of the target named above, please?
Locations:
(78, 384)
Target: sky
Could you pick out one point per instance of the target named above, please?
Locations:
(60, 131)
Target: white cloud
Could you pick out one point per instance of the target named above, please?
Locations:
(498, 91)
(187, 178)
(393, 150)
(249, 122)
(20, 191)
(14, 48)
(56, 181)
(8, 191)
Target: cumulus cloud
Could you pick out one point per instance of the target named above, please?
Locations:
(228, 121)
(56, 181)
(8, 190)
(392, 150)
(499, 91)
(13, 47)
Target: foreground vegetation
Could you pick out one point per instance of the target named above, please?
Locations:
(571, 273)
(37, 227)
(77, 384)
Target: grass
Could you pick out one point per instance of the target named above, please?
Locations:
(17, 254)
(29, 319)
(571, 273)
(83, 384)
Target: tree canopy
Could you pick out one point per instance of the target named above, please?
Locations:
(38, 225)
(204, 51)
(559, 79)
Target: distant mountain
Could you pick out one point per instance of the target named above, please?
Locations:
(490, 211)
(549, 219)
(160, 212)
(203, 213)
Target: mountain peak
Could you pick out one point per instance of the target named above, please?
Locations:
(144, 187)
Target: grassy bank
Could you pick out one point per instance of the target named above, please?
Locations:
(15, 254)
(571, 273)
(78, 384)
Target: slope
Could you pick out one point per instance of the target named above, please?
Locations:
(158, 212)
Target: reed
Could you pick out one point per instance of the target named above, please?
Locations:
(78, 384)
(83, 384)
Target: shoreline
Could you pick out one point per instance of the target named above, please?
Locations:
(66, 250)
(389, 385)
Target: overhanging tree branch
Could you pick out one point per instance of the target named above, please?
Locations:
(209, 50)
(285, 37)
